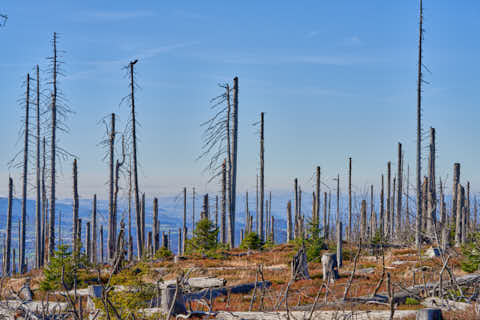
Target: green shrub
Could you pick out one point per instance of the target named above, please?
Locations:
(471, 251)
(251, 241)
(314, 243)
(411, 301)
(163, 253)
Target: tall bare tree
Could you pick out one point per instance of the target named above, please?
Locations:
(262, 177)
(38, 207)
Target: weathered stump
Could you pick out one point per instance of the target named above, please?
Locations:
(330, 267)
(429, 314)
(299, 266)
(168, 297)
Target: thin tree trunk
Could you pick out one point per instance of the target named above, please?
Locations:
(296, 226)
(389, 217)
(193, 211)
(135, 166)
(156, 234)
(38, 220)
(9, 227)
(44, 205)
(289, 221)
(399, 189)
(317, 198)
(22, 267)
(143, 219)
(94, 230)
(130, 240)
(325, 221)
(89, 242)
(419, 133)
(234, 161)
(223, 233)
(382, 209)
(101, 245)
(76, 239)
(184, 238)
(111, 182)
(53, 153)
(349, 233)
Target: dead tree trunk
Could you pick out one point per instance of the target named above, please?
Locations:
(135, 166)
(111, 182)
(382, 209)
(118, 166)
(89, 242)
(38, 207)
(399, 189)
(223, 225)
(156, 235)
(325, 221)
(431, 195)
(53, 152)
(130, 239)
(142, 210)
(296, 226)
(101, 245)
(389, 217)
(184, 238)
(317, 198)
(373, 218)
(262, 177)
(22, 266)
(419, 133)
(9, 228)
(289, 221)
(339, 244)
(44, 243)
(349, 233)
(94, 230)
(233, 180)
(458, 229)
(76, 240)
(363, 220)
(392, 222)
(193, 210)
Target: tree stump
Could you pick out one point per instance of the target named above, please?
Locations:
(330, 267)
(429, 314)
(300, 266)
(168, 296)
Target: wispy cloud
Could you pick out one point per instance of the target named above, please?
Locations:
(117, 15)
(293, 59)
(352, 41)
(312, 34)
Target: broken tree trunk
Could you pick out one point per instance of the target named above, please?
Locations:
(299, 266)
(330, 267)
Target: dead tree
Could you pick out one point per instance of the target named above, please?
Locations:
(295, 221)
(156, 234)
(38, 207)
(459, 222)
(88, 242)
(76, 241)
(9, 228)
(94, 230)
(184, 238)
(299, 266)
(133, 137)
(399, 189)
(382, 209)
(130, 238)
(233, 173)
(111, 182)
(456, 181)
(118, 168)
(193, 210)
(223, 233)
(325, 221)
(389, 215)
(142, 210)
(363, 220)
(262, 177)
(349, 233)
(317, 198)
(44, 243)
(289, 221)
(431, 193)
(419, 132)
(22, 266)
(101, 245)
(373, 216)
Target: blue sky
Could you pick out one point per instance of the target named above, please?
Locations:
(335, 79)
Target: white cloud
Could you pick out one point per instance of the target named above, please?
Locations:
(117, 15)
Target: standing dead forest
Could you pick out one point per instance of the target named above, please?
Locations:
(401, 248)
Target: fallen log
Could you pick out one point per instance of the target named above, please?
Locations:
(317, 315)
(216, 292)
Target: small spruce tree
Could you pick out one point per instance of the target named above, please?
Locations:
(204, 238)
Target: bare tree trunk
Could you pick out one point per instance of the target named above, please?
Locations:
(339, 244)
(262, 177)
(257, 226)
(382, 209)
(216, 212)
(89, 242)
(9, 227)
(135, 171)
(399, 189)
(426, 218)
(53, 152)
(76, 239)
(329, 212)
(144, 239)
(289, 221)
(392, 216)
(118, 166)
(44, 206)
(156, 234)
(234, 161)
(223, 225)
(431, 195)
(363, 220)
(101, 245)
(419, 133)
(456, 181)
(407, 200)
(130, 239)
(338, 199)
(184, 238)
(373, 218)
(94, 230)
(22, 266)
(467, 208)
(318, 195)
(247, 214)
(325, 221)
(349, 233)
(389, 217)
(38, 219)
(475, 213)
(193, 211)
(111, 182)
(458, 229)
(296, 226)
